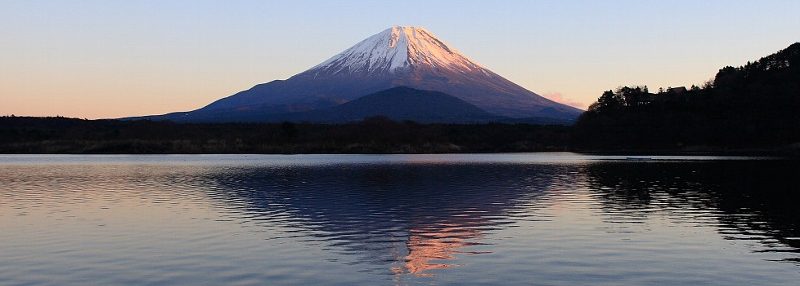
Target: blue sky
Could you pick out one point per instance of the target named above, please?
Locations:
(101, 59)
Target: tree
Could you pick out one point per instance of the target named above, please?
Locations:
(609, 101)
(289, 130)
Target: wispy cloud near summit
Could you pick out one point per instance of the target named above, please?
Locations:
(560, 98)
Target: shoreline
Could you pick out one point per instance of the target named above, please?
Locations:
(773, 153)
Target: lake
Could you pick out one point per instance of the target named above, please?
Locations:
(479, 219)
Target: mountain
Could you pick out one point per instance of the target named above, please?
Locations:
(403, 103)
(398, 56)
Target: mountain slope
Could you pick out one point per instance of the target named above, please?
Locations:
(399, 56)
(403, 103)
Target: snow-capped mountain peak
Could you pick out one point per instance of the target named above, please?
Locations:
(397, 49)
(409, 57)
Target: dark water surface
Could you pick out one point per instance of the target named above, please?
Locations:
(502, 219)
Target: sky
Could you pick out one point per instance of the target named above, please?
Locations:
(108, 59)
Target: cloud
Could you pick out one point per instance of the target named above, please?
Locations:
(558, 97)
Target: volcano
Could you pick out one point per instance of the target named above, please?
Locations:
(410, 57)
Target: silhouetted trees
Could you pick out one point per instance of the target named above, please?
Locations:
(753, 106)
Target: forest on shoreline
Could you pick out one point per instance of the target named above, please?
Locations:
(372, 135)
(756, 105)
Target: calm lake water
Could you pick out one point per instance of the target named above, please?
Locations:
(500, 219)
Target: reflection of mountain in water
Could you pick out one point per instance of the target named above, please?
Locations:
(415, 218)
(749, 200)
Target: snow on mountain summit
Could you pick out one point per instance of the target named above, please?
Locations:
(396, 49)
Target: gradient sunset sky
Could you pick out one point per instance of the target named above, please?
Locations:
(104, 59)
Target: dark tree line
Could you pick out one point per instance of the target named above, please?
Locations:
(372, 135)
(752, 106)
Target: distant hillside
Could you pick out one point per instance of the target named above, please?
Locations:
(404, 103)
(398, 103)
(754, 105)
